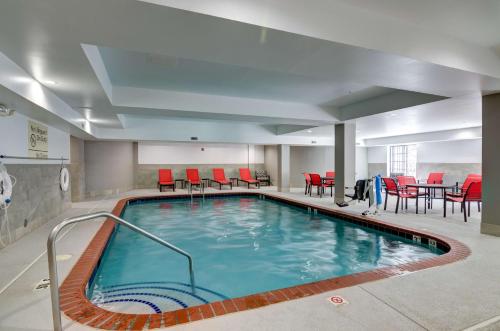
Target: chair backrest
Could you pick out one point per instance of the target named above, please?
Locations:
(435, 178)
(390, 184)
(330, 174)
(192, 174)
(405, 180)
(165, 175)
(471, 178)
(474, 191)
(260, 172)
(245, 174)
(307, 177)
(315, 179)
(219, 174)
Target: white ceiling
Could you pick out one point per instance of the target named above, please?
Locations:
(164, 72)
(167, 64)
(473, 21)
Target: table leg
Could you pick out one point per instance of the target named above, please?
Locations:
(416, 202)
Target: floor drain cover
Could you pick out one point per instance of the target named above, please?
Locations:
(42, 285)
(337, 300)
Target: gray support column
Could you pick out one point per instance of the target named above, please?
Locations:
(345, 158)
(283, 168)
(490, 219)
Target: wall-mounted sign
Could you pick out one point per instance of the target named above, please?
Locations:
(38, 140)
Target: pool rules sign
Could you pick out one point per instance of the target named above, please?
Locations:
(38, 140)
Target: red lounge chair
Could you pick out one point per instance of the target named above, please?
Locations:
(316, 181)
(391, 188)
(473, 193)
(220, 178)
(246, 177)
(330, 181)
(165, 179)
(193, 178)
(308, 183)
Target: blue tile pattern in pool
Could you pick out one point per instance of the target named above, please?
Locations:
(240, 245)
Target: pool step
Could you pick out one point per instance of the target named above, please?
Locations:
(152, 297)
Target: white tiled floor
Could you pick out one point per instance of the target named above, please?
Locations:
(452, 297)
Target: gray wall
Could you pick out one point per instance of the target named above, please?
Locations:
(271, 162)
(109, 167)
(315, 159)
(453, 172)
(36, 199)
(147, 174)
(77, 169)
(377, 169)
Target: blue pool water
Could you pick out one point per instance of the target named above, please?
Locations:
(240, 245)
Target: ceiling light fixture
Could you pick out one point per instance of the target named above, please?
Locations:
(309, 131)
(49, 82)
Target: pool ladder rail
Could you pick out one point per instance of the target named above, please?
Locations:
(51, 253)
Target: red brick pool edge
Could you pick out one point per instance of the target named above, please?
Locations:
(76, 306)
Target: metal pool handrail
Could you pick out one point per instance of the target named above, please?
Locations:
(51, 253)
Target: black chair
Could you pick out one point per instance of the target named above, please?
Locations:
(263, 177)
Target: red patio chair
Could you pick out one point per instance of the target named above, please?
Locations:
(308, 182)
(435, 178)
(245, 176)
(318, 182)
(193, 178)
(330, 181)
(471, 178)
(473, 193)
(401, 192)
(220, 178)
(165, 179)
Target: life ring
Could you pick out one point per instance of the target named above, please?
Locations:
(5, 187)
(64, 179)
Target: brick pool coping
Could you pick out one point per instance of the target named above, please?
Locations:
(75, 304)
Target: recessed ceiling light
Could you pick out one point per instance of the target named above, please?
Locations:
(309, 131)
(393, 115)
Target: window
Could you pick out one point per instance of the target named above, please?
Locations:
(402, 160)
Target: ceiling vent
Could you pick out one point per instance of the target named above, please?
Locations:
(194, 138)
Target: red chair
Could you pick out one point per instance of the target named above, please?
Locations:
(471, 178)
(165, 179)
(193, 179)
(401, 192)
(472, 193)
(330, 181)
(245, 176)
(435, 178)
(220, 178)
(308, 183)
(318, 182)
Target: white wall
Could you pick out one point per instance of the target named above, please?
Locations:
(458, 151)
(192, 153)
(377, 154)
(361, 163)
(14, 140)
